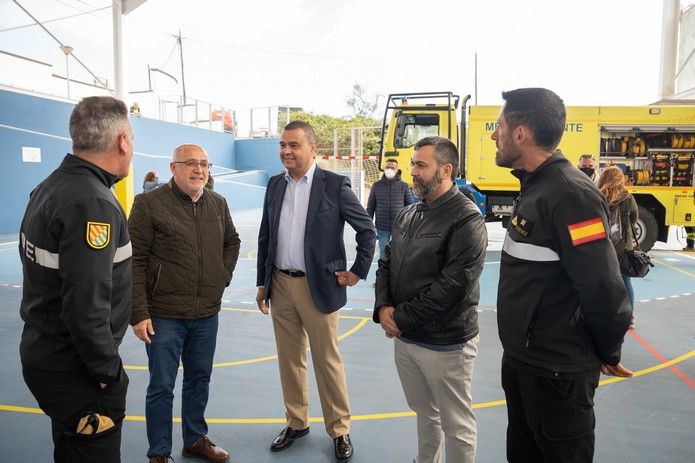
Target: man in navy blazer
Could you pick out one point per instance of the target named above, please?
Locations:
(302, 274)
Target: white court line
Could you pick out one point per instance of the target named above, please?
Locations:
(689, 255)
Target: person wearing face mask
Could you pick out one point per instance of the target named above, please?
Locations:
(587, 164)
(386, 199)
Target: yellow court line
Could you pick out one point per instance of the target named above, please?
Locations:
(646, 371)
(372, 416)
(674, 268)
(14, 408)
(351, 331)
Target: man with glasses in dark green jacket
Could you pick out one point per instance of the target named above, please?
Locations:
(185, 248)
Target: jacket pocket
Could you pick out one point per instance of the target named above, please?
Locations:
(516, 321)
(397, 231)
(155, 280)
(423, 236)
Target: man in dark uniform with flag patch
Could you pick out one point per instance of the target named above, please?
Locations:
(76, 256)
(562, 308)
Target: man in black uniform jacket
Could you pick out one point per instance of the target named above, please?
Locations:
(76, 256)
(562, 308)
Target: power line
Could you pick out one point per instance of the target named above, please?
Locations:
(281, 52)
(69, 5)
(88, 4)
(55, 19)
(171, 53)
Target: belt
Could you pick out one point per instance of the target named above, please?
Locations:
(292, 273)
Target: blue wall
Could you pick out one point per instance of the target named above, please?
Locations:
(32, 121)
(259, 153)
(20, 117)
(244, 190)
(155, 142)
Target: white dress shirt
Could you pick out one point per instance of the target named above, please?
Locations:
(295, 204)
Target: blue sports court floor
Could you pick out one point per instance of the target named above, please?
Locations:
(649, 418)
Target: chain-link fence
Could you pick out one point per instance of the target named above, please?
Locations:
(354, 154)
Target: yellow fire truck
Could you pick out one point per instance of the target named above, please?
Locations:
(654, 145)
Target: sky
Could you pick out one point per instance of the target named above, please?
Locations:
(309, 53)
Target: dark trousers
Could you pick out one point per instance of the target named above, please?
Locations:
(690, 237)
(66, 397)
(551, 419)
(191, 342)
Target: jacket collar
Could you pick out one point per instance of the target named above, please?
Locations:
(318, 186)
(73, 163)
(453, 191)
(525, 177)
(309, 175)
(180, 193)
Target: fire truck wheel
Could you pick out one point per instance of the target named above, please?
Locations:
(646, 229)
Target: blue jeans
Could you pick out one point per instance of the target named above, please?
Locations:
(384, 236)
(630, 292)
(193, 343)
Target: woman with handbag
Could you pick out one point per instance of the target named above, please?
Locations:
(622, 213)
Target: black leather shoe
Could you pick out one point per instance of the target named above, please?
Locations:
(343, 447)
(287, 437)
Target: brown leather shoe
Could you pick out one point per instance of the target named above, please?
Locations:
(205, 449)
(161, 459)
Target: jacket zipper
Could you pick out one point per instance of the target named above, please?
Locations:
(412, 231)
(200, 262)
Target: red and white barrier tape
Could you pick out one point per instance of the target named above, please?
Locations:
(348, 158)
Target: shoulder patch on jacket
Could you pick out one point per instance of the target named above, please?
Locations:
(98, 235)
(522, 225)
(587, 231)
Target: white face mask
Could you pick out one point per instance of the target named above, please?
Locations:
(390, 173)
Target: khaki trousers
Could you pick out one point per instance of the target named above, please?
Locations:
(296, 318)
(437, 387)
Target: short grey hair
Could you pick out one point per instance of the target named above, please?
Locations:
(445, 151)
(96, 122)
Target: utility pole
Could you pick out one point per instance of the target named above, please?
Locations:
(183, 80)
(67, 50)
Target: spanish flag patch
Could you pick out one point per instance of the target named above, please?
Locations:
(587, 231)
(98, 235)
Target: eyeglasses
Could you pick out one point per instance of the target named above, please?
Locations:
(192, 163)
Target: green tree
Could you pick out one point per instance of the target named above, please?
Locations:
(360, 104)
(327, 127)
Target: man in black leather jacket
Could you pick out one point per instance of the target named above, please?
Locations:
(427, 295)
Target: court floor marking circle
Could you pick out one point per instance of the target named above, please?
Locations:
(362, 321)
(373, 416)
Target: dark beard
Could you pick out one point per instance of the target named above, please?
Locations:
(420, 190)
(507, 159)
